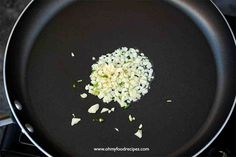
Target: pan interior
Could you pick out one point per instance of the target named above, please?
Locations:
(184, 67)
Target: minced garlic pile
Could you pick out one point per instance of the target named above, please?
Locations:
(122, 76)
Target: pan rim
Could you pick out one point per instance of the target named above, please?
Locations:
(23, 130)
(234, 103)
(44, 151)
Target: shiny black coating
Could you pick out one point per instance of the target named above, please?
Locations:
(189, 44)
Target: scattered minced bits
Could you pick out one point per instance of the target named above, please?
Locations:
(131, 118)
(139, 133)
(79, 81)
(108, 110)
(122, 76)
(140, 126)
(75, 120)
(93, 109)
(101, 120)
(111, 110)
(84, 95)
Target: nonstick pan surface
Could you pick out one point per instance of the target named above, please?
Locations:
(188, 42)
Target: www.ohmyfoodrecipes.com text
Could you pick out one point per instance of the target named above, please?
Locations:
(124, 149)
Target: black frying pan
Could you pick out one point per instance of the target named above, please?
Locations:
(188, 42)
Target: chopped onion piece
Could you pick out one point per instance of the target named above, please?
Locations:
(104, 110)
(79, 81)
(113, 109)
(101, 120)
(140, 126)
(84, 95)
(75, 120)
(93, 109)
(131, 118)
(139, 133)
